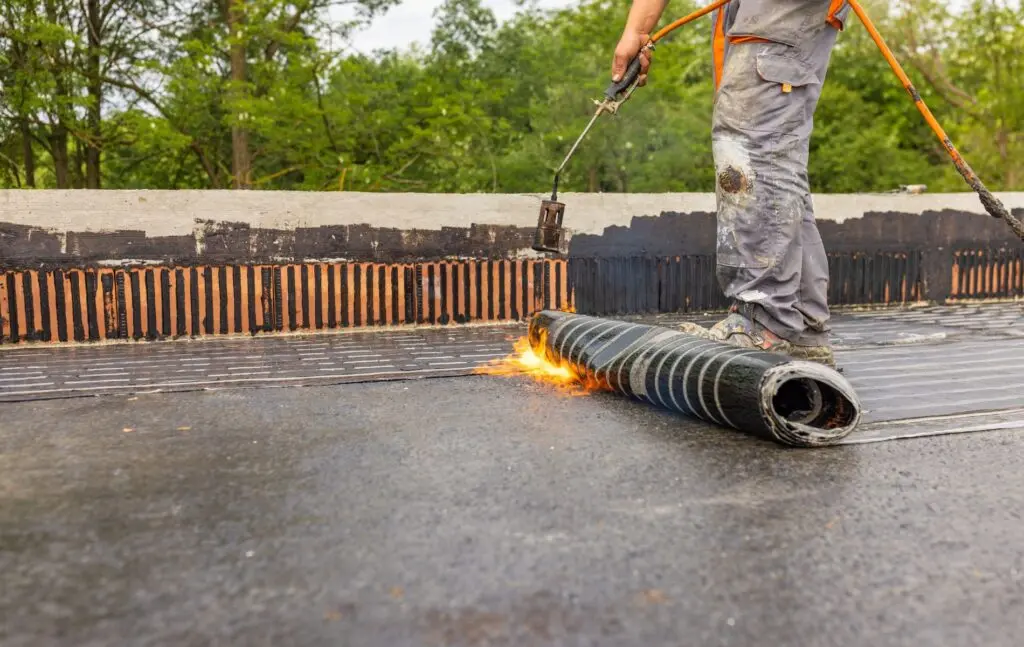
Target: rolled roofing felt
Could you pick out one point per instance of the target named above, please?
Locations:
(796, 403)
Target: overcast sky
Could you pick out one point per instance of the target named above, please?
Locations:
(413, 21)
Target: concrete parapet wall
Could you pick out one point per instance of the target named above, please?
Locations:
(120, 265)
(44, 228)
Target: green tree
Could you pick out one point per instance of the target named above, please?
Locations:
(974, 61)
(263, 94)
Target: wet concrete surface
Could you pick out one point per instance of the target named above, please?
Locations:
(489, 511)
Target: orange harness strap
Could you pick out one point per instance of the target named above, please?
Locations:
(832, 18)
(719, 47)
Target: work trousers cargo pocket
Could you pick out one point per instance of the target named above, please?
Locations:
(766, 87)
(788, 85)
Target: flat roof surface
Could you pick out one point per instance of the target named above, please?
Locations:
(499, 511)
(906, 364)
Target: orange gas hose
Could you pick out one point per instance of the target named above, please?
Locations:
(992, 205)
(700, 13)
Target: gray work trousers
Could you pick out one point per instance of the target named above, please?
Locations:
(772, 56)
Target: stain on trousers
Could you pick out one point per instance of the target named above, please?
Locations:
(773, 57)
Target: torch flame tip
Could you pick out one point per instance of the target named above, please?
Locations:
(525, 360)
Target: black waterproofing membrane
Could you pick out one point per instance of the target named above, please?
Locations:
(796, 403)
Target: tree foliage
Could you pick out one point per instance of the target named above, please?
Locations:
(265, 94)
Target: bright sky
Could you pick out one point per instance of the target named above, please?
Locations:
(413, 21)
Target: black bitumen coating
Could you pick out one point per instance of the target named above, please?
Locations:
(238, 242)
(667, 233)
(903, 363)
(42, 372)
(490, 511)
(743, 389)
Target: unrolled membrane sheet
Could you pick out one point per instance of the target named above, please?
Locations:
(796, 403)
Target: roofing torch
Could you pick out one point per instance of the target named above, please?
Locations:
(550, 236)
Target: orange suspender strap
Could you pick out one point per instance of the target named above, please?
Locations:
(833, 10)
(719, 47)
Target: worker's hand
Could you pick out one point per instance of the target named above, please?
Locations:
(628, 46)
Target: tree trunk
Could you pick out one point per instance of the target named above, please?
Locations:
(28, 153)
(211, 171)
(94, 113)
(77, 164)
(59, 152)
(58, 135)
(241, 160)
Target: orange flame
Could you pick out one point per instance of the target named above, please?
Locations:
(525, 361)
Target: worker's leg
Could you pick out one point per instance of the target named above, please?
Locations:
(813, 299)
(771, 261)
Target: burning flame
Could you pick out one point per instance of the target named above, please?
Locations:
(524, 360)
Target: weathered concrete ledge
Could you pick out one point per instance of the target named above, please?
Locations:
(173, 213)
(71, 228)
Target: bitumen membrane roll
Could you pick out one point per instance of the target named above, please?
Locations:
(795, 403)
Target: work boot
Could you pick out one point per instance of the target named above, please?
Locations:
(739, 331)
